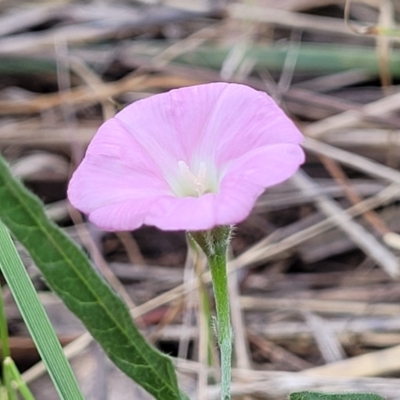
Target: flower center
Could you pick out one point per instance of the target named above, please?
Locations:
(194, 182)
(198, 182)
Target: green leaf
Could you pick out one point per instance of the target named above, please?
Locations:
(333, 396)
(69, 273)
(36, 320)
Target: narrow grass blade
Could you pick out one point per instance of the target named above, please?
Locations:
(36, 319)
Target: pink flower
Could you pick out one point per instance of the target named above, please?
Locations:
(190, 159)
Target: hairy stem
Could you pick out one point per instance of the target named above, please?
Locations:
(224, 331)
(214, 244)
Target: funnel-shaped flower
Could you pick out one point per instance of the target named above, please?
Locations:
(189, 159)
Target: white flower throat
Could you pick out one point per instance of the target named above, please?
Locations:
(198, 182)
(194, 182)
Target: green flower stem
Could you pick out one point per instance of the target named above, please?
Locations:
(224, 331)
(214, 243)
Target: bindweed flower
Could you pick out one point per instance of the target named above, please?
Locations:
(190, 159)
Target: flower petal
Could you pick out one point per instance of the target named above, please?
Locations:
(265, 166)
(239, 190)
(185, 213)
(115, 170)
(219, 119)
(205, 212)
(133, 161)
(122, 216)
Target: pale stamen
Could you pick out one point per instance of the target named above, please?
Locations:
(199, 181)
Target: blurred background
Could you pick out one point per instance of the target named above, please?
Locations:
(315, 293)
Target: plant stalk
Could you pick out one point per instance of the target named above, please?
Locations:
(214, 243)
(224, 330)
